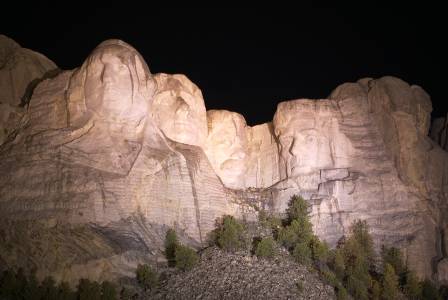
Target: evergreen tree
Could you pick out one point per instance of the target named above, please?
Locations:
(319, 251)
(297, 208)
(65, 292)
(146, 277)
(338, 264)
(342, 293)
(265, 248)
(186, 258)
(170, 246)
(108, 291)
(8, 285)
(302, 253)
(49, 290)
(360, 232)
(88, 290)
(429, 291)
(390, 283)
(412, 287)
(393, 257)
(229, 234)
(376, 290)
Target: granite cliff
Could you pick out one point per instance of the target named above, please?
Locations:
(103, 158)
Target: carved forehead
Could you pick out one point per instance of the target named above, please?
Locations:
(119, 49)
(303, 114)
(224, 118)
(176, 89)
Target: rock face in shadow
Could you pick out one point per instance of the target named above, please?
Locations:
(106, 157)
(439, 132)
(21, 70)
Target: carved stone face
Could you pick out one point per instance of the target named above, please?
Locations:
(116, 83)
(227, 146)
(179, 110)
(304, 135)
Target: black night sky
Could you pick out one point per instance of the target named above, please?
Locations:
(247, 60)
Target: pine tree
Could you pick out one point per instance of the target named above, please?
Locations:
(360, 232)
(302, 253)
(65, 292)
(108, 291)
(265, 248)
(376, 290)
(297, 208)
(390, 283)
(229, 234)
(394, 257)
(49, 289)
(146, 277)
(338, 264)
(186, 258)
(170, 246)
(412, 287)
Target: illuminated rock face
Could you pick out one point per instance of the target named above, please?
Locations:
(107, 156)
(227, 146)
(99, 168)
(178, 109)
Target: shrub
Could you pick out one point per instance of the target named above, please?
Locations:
(412, 287)
(393, 257)
(186, 258)
(170, 246)
(338, 264)
(8, 285)
(297, 208)
(265, 248)
(65, 292)
(360, 232)
(49, 290)
(88, 290)
(302, 253)
(127, 294)
(289, 236)
(146, 277)
(108, 291)
(319, 251)
(269, 221)
(357, 287)
(429, 291)
(376, 290)
(342, 293)
(229, 234)
(390, 283)
(331, 278)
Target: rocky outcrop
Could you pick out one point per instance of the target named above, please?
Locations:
(439, 132)
(107, 156)
(21, 70)
(222, 275)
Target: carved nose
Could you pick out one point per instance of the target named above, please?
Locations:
(107, 76)
(182, 110)
(238, 154)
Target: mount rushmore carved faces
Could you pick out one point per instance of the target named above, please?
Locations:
(116, 85)
(303, 128)
(227, 146)
(178, 109)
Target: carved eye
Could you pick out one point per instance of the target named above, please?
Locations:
(310, 139)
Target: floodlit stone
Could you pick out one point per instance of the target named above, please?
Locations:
(179, 110)
(227, 146)
(105, 157)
